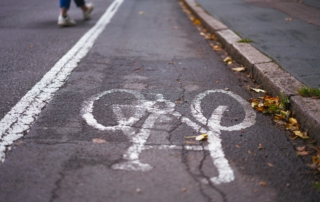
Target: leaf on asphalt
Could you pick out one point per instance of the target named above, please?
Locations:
(215, 47)
(239, 69)
(184, 189)
(293, 121)
(98, 141)
(300, 134)
(141, 13)
(315, 160)
(291, 127)
(238, 146)
(227, 60)
(258, 90)
(288, 19)
(249, 152)
(187, 137)
(260, 146)
(262, 183)
(270, 164)
(302, 153)
(201, 137)
(196, 22)
(293, 136)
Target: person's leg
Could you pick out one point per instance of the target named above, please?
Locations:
(64, 7)
(64, 20)
(86, 8)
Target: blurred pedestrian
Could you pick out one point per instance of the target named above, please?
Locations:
(64, 20)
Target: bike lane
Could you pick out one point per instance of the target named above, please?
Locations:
(118, 129)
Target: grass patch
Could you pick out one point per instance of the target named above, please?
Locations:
(245, 40)
(309, 92)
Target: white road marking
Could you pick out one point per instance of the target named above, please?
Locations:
(215, 148)
(154, 110)
(20, 118)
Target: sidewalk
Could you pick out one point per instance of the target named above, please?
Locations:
(285, 52)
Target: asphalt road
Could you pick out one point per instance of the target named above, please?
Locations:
(117, 128)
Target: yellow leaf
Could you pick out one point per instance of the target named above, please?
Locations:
(293, 121)
(258, 90)
(227, 59)
(201, 137)
(291, 127)
(196, 22)
(303, 135)
(239, 69)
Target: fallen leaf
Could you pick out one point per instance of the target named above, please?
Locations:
(201, 137)
(291, 127)
(141, 13)
(260, 146)
(258, 90)
(300, 134)
(293, 121)
(302, 153)
(249, 152)
(270, 164)
(301, 148)
(238, 146)
(293, 136)
(184, 189)
(227, 59)
(239, 69)
(189, 142)
(262, 183)
(98, 141)
(288, 19)
(315, 160)
(196, 22)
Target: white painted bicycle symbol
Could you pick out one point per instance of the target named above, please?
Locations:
(159, 107)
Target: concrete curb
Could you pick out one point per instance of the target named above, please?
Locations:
(272, 78)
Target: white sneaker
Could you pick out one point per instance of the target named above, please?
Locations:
(86, 14)
(65, 21)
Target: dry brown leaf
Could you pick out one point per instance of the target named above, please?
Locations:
(260, 146)
(291, 127)
(293, 136)
(270, 164)
(262, 183)
(201, 137)
(239, 69)
(98, 141)
(302, 153)
(258, 90)
(238, 146)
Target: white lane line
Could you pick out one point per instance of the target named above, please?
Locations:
(20, 118)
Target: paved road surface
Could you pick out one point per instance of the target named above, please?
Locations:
(117, 129)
